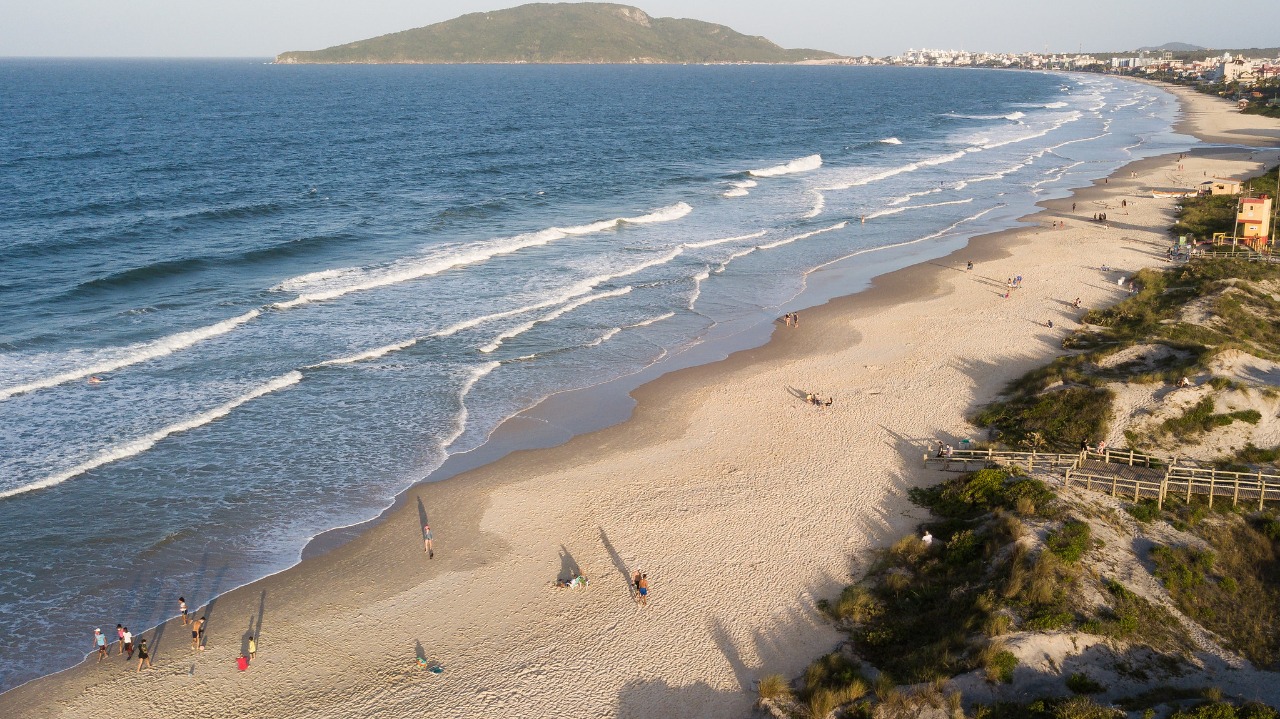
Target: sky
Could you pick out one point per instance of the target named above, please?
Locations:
(263, 28)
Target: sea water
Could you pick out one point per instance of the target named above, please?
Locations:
(241, 304)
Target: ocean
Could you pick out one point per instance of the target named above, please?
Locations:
(242, 304)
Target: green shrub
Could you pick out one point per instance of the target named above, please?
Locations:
(1082, 684)
(1145, 511)
(1070, 541)
(999, 665)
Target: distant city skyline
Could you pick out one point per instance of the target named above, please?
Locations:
(240, 28)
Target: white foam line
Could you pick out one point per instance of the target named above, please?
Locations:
(800, 164)
(894, 171)
(913, 195)
(740, 188)
(698, 279)
(932, 236)
(739, 238)
(891, 141)
(803, 236)
(460, 421)
(369, 354)
(134, 354)
(819, 203)
(993, 145)
(654, 320)
(896, 210)
(559, 311)
(142, 444)
(604, 337)
(471, 255)
(576, 290)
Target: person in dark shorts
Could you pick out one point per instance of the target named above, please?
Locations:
(100, 641)
(642, 586)
(144, 655)
(197, 634)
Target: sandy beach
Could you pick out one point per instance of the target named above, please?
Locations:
(744, 504)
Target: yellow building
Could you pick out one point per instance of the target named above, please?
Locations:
(1253, 221)
(1220, 186)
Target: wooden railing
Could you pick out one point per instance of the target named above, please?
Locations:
(1125, 473)
(958, 460)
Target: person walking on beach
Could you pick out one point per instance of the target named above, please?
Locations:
(968, 265)
(100, 641)
(642, 586)
(197, 634)
(120, 636)
(253, 648)
(428, 545)
(126, 642)
(795, 319)
(144, 656)
(182, 607)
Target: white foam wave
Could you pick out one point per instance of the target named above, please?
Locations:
(460, 420)
(654, 320)
(896, 210)
(604, 337)
(698, 279)
(891, 141)
(295, 284)
(369, 354)
(739, 238)
(1023, 138)
(800, 164)
(740, 188)
(1055, 105)
(142, 444)
(736, 192)
(133, 354)
(1012, 116)
(368, 279)
(575, 290)
(911, 196)
(803, 236)
(558, 312)
(931, 236)
(819, 203)
(894, 171)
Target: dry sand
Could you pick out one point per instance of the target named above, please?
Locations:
(743, 503)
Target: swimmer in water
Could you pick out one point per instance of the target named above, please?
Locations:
(95, 380)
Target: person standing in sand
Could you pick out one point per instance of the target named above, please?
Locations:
(197, 630)
(182, 607)
(144, 656)
(428, 545)
(642, 586)
(100, 641)
(126, 641)
(253, 648)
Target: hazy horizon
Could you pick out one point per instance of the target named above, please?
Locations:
(238, 28)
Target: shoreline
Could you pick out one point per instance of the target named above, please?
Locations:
(666, 411)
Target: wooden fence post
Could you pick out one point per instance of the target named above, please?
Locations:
(1211, 490)
(1262, 491)
(1164, 487)
(1235, 497)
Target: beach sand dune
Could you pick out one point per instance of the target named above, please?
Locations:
(744, 504)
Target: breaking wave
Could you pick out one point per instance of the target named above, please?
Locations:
(800, 164)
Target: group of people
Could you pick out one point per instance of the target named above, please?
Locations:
(817, 401)
(791, 319)
(1099, 217)
(640, 581)
(127, 646)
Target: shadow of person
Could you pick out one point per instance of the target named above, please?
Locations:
(418, 652)
(568, 566)
(797, 393)
(618, 564)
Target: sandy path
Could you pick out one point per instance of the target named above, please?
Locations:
(743, 503)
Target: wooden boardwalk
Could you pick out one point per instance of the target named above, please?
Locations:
(1127, 474)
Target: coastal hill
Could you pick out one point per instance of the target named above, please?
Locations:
(560, 33)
